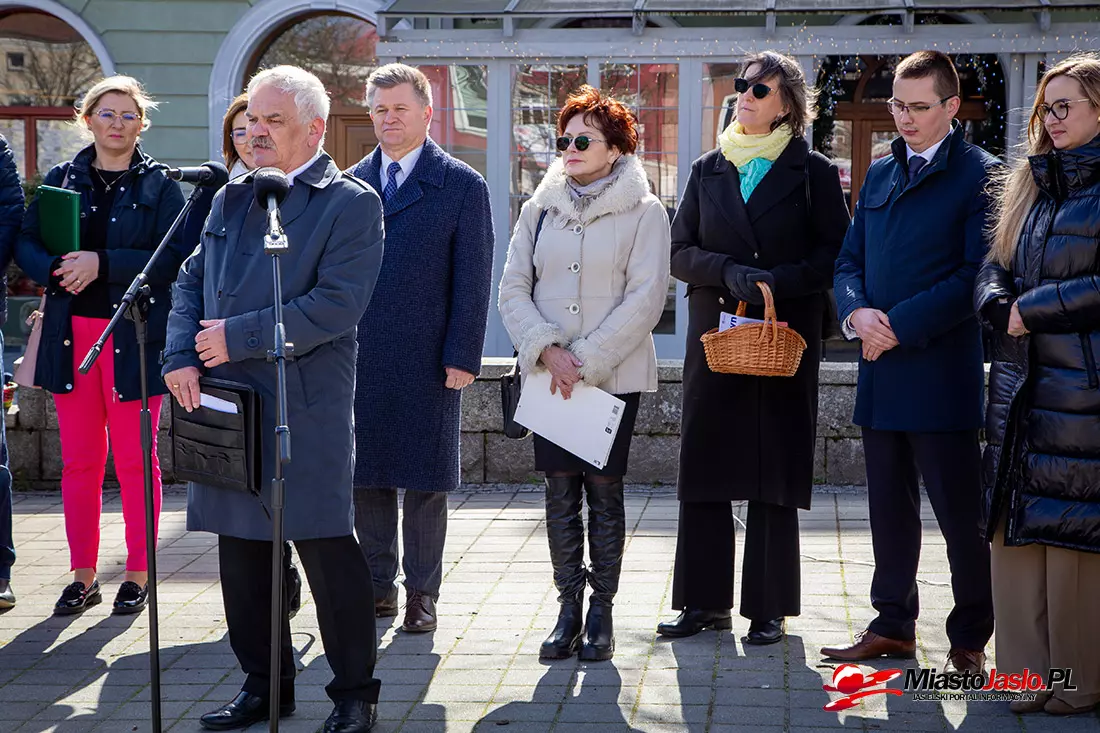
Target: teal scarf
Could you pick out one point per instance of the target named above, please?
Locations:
(751, 174)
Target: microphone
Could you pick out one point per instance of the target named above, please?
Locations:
(210, 173)
(270, 185)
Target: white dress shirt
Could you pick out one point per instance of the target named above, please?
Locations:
(298, 171)
(846, 327)
(407, 164)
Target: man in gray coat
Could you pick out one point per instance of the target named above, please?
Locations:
(222, 321)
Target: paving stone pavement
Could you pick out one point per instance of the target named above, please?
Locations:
(480, 671)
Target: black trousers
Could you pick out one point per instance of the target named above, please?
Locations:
(771, 585)
(951, 466)
(340, 580)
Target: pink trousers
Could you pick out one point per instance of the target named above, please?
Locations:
(85, 417)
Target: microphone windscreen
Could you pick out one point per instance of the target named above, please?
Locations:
(267, 181)
(219, 173)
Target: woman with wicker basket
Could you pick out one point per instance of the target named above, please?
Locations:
(584, 285)
(762, 215)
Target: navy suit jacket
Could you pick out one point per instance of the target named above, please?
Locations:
(913, 251)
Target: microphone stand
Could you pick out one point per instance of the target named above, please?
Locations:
(275, 244)
(135, 307)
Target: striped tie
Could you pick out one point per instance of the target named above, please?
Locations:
(391, 184)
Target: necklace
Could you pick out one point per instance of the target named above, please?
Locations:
(106, 186)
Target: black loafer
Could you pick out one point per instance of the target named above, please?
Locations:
(242, 711)
(762, 633)
(76, 598)
(293, 590)
(351, 716)
(693, 620)
(131, 598)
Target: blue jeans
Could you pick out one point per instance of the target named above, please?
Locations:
(7, 545)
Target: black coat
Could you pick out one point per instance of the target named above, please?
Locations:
(753, 437)
(913, 252)
(11, 214)
(1042, 461)
(147, 203)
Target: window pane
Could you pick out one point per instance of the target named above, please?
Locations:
(538, 92)
(15, 131)
(842, 154)
(47, 63)
(460, 103)
(719, 97)
(339, 49)
(658, 130)
(58, 141)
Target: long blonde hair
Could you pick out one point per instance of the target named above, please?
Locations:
(1014, 189)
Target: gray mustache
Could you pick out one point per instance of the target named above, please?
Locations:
(261, 142)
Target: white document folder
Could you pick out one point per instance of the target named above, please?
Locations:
(585, 424)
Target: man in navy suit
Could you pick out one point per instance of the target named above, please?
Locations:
(904, 285)
(420, 341)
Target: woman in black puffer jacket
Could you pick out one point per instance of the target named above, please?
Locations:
(1040, 293)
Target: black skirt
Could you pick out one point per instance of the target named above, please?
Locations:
(550, 457)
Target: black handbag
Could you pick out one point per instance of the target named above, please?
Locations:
(511, 383)
(220, 449)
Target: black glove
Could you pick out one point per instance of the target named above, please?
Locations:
(741, 282)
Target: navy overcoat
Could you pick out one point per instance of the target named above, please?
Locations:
(428, 313)
(334, 226)
(913, 251)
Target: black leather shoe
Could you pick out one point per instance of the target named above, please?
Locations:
(7, 595)
(693, 620)
(599, 635)
(76, 598)
(762, 633)
(131, 598)
(241, 712)
(351, 716)
(566, 636)
(293, 582)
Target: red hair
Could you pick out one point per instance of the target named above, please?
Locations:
(613, 118)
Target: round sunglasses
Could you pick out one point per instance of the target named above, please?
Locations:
(581, 142)
(758, 90)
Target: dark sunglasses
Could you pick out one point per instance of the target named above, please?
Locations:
(758, 90)
(580, 141)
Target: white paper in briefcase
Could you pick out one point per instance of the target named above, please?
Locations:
(585, 424)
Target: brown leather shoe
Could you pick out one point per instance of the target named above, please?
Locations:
(870, 645)
(386, 606)
(965, 660)
(419, 613)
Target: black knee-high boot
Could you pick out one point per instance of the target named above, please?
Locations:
(606, 542)
(565, 531)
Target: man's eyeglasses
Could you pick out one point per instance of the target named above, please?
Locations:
(1059, 108)
(758, 90)
(109, 116)
(240, 134)
(896, 108)
(581, 142)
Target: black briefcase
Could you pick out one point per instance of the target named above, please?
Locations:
(220, 447)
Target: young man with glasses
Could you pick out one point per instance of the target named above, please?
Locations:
(904, 286)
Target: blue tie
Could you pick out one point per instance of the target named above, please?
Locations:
(916, 163)
(391, 184)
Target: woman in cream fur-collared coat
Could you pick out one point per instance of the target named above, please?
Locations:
(582, 302)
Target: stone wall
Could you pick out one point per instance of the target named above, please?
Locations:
(487, 456)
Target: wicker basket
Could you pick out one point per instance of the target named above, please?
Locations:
(757, 349)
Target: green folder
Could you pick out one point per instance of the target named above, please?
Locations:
(59, 219)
